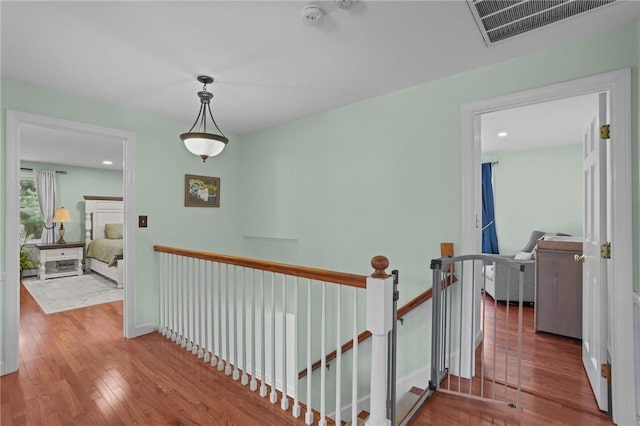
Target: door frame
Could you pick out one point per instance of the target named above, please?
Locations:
(620, 270)
(14, 120)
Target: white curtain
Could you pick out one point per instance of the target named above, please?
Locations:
(46, 189)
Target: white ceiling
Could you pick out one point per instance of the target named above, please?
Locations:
(542, 125)
(269, 66)
(63, 147)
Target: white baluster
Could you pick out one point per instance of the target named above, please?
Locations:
(162, 328)
(212, 312)
(190, 308)
(236, 360)
(308, 417)
(263, 384)
(183, 307)
(196, 307)
(243, 347)
(167, 300)
(273, 397)
(174, 297)
(254, 346)
(354, 366)
(295, 411)
(202, 316)
(338, 417)
(220, 285)
(227, 350)
(206, 283)
(323, 358)
(284, 401)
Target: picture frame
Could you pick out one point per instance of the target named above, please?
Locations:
(201, 191)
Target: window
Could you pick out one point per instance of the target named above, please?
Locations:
(31, 222)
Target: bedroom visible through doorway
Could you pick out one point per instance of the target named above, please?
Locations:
(617, 84)
(84, 160)
(62, 173)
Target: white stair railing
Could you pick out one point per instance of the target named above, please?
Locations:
(259, 321)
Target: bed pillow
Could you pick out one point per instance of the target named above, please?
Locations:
(113, 231)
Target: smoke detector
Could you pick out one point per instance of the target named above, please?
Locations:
(346, 4)
(312, 14)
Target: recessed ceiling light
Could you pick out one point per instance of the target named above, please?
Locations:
(107, 162)
(502, 134)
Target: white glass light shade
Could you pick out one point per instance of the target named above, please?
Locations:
(204, 145)
(200, 146)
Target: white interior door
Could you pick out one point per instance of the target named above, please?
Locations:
(594, 289)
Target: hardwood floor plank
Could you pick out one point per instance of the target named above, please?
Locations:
(555, 388)
(77, 369)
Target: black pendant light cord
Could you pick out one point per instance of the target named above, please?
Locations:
(205, 106)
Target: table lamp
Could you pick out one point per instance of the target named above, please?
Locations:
(62, 215)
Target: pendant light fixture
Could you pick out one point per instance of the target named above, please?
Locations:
(199, 142)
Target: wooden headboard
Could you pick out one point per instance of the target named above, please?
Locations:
(100, 211)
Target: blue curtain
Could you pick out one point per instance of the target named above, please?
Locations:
(489, 236)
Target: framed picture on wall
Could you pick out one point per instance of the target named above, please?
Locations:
(201, 191)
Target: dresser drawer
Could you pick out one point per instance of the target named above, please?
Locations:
(61, 254)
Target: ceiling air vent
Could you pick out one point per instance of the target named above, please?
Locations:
(501, 19)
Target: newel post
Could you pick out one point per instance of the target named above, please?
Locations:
(379, 323)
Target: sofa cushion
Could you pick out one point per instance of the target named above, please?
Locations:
(533, 240)
(523, 255)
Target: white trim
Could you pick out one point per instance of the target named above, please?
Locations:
(14, 120)
(143, 329)
(618, 84)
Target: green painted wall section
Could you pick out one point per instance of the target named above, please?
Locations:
(382, 176)
(330, 190)
(161, 161)
(537, 190)
(72, 186)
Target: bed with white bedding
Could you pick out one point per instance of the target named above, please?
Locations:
(104, 218)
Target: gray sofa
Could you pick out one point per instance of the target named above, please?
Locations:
(502, 282)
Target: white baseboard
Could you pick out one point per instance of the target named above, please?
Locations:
(143, 329)
(479, 338)
(2, 372)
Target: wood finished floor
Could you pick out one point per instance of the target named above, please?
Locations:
(76, 369)
(555, 388)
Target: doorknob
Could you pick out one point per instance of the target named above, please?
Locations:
(579, 258)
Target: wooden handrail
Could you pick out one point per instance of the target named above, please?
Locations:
(352, 280)
(404, 310)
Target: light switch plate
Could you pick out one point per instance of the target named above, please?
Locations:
(142, 221)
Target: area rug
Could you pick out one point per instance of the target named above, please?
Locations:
(63, 294)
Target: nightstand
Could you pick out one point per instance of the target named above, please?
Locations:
(73, 251)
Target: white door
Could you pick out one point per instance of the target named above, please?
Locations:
(594, 288)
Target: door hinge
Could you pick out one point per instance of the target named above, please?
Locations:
(605, 131)
(605, 371)
(605, 251)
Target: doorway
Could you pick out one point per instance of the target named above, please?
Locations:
(620, 270)
(16, 123)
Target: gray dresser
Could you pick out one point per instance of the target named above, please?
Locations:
(558, 304)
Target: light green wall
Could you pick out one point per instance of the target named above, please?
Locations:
(72, 186)
(160, 165)
(536, 190)
(382, 176)
(378, 176)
